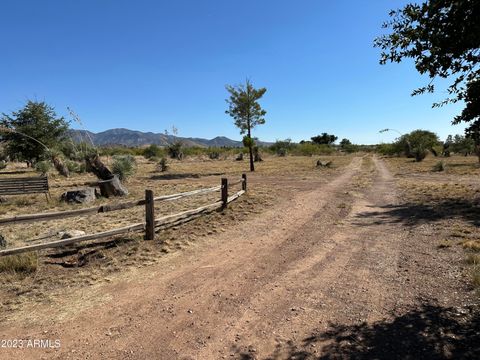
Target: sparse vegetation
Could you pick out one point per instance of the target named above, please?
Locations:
(473, 245)
(439, 166)
(152, 151)
(43, 167)
(124, 166)
(214, 155)
(281, 147)
(23, 263)
(175, 150)
(163, 164)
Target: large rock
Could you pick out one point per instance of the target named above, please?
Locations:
(79, 196)
(112, 187)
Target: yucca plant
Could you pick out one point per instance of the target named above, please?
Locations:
(124, 166)
(43, 167)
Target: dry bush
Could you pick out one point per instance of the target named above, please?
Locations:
(472, 245)
(439, 166)
(22, 263)
(474, 260)
(476, 275)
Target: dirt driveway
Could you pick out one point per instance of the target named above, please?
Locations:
(330, 272)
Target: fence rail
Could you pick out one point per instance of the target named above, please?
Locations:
(148, 226)
(99, 209)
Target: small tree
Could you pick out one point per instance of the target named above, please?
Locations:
(246, 111)
(462, 145)
(418, 143)
(324, 138)
(345, 143)
(36, 130)
(441, 37)
(174, 149)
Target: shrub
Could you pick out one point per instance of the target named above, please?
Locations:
(419, 153)
(152, 151)
(309, 149)
(214, 155)
(22, 263)
(280, 147)
(43, 167)
(175, 150)
(124, 166)
(389, 149)
(162, 164)
(439, 166)
(306, 149)
(76, 167)
(256, 154)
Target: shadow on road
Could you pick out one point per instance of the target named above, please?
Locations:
(414, 214)
(427, 332)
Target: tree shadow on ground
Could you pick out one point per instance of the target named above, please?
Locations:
(428, 332)
(414, 214)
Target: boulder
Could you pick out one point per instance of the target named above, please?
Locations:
(79, 196)
(239, 157)
(70, 234)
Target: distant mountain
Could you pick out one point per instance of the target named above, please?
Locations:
(133, 138)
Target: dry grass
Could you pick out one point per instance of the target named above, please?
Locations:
(474, 261)
(455, 165)
(19, 264)
(190, 174)
(452, 193)
(445, 243)
(450, 197)
(94, 263)
(473, 245)
(364, 178)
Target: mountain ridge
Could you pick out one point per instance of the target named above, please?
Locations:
(134, 138)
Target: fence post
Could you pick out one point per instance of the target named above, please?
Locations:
(149, 216)
(224, 192)
(244, 182)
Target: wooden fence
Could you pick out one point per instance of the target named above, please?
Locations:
(148, 226)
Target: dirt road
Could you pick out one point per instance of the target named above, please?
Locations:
(330, 272)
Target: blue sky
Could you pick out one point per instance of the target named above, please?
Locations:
(148, 65)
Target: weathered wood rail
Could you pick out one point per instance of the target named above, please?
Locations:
(99, 209)
(148, 226)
